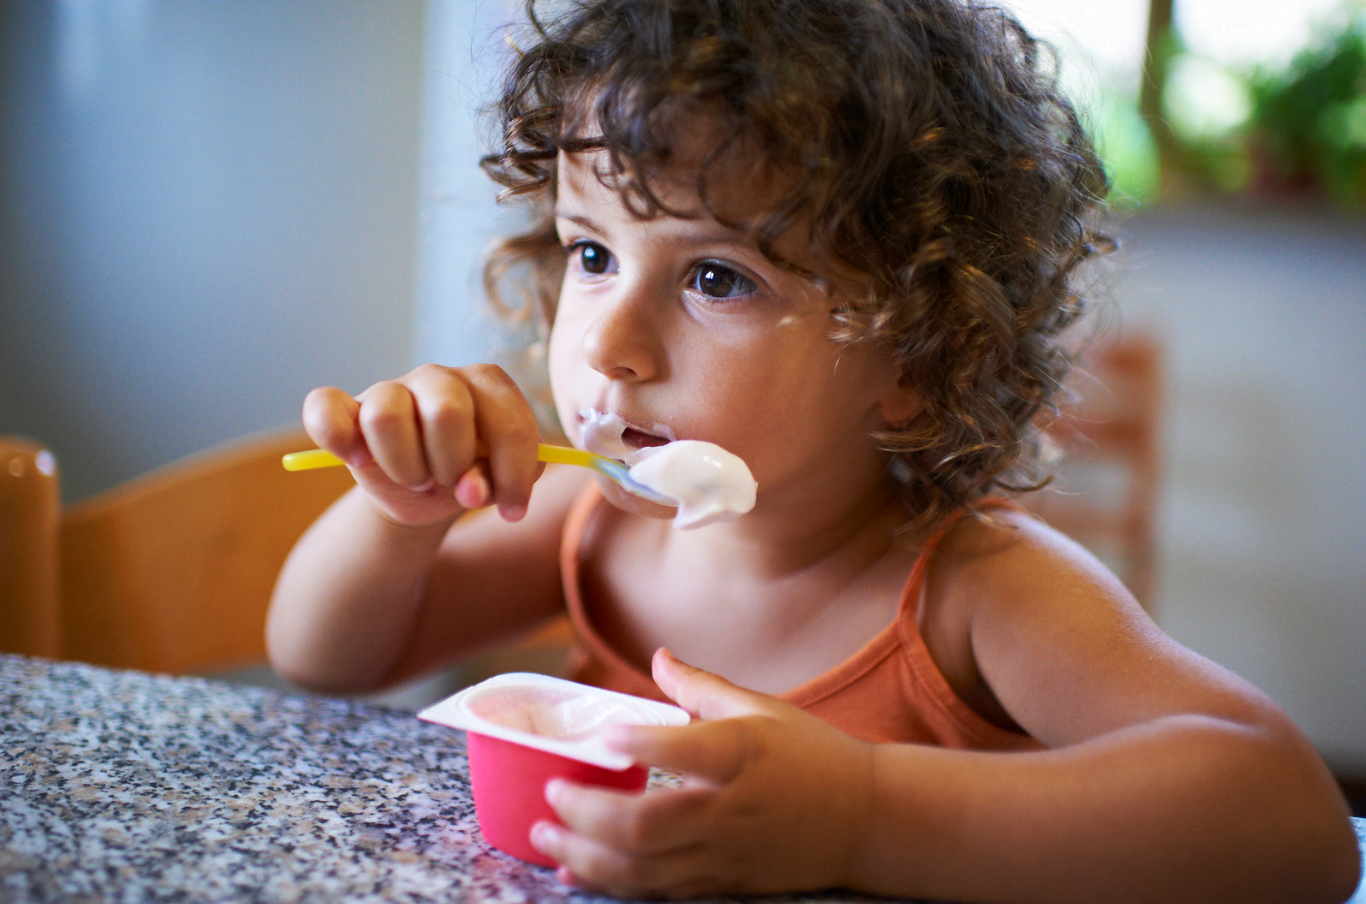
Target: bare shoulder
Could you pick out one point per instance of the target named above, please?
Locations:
(1061, 644)
(1009, 557)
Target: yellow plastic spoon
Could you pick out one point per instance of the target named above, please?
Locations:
(562, 455)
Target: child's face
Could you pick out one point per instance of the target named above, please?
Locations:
(682, 328)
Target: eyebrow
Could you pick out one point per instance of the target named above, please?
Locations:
(582, 220)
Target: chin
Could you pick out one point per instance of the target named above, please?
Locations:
(630, 502)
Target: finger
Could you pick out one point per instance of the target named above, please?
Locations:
(473, 489)
(658, 821)
(445, 412)
(715, 751)
(330, 420)
(507, 424)
(593, 865)
(388, 421)
(704, 694)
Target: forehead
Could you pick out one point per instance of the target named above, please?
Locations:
(704, 172)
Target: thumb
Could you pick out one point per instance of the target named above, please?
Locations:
(704, 694)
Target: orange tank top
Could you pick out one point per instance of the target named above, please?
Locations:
(890, 691)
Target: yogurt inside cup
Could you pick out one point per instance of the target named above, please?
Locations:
(564, 714)
(551, 714)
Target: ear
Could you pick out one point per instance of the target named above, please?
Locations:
(899, 402)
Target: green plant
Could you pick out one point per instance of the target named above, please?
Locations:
(1309, 120)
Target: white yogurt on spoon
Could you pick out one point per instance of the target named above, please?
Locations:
(709, 484)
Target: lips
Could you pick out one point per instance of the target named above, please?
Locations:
(610, 434)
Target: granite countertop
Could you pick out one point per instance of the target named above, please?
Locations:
(124, 786)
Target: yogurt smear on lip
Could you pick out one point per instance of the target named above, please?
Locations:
(709, 483)
(602, 433)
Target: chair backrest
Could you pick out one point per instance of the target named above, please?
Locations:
(30, 518)
(169, 572)
(1106, 488)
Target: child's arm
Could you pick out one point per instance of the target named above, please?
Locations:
(386, 584)
(1169, 779)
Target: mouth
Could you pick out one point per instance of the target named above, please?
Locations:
(613, 436)
(640, 439)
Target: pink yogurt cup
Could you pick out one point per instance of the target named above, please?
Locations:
(524, 729)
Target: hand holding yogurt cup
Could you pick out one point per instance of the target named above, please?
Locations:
(523, 730)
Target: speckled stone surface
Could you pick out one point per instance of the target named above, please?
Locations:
(127, 787)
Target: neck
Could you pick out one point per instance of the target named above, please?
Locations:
(825, 518)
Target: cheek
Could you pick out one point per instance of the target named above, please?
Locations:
(555, 351)
(767, 406)
(809, 398)
(561, 356)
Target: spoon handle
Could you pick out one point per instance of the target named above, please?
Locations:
(321, 458)
(561, 455)
(313, 458)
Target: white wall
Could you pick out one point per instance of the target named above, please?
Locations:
(1262, 559)
(206, 209)
(459, 214)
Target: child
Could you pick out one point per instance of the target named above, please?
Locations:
(836, 238)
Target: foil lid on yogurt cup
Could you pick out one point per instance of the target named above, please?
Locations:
(551, 714)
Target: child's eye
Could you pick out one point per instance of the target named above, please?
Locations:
(719, 281)
(592, 257)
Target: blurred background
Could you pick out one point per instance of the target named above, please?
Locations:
(207, 209)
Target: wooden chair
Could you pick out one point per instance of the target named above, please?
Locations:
(1106, 487)
(170, 572)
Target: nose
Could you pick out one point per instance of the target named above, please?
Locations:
(622, 340)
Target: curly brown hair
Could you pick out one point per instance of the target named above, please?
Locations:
(945, 180)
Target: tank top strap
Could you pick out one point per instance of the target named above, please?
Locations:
(571, 537)
(958, 725)
(910, 595)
